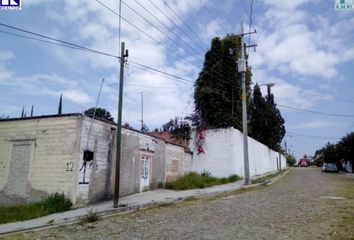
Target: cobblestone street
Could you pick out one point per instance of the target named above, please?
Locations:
(299, 206)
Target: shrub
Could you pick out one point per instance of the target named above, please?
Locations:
(90, 217)
(57, 202)
(194, 180)
(52, 204)
(234, 178)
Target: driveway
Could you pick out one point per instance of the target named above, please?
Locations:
(305, 204)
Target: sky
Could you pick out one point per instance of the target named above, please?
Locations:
(305, 47)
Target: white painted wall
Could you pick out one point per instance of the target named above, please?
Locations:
(224, 154)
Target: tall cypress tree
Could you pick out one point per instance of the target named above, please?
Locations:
(60, 104)
(217, 95)
(275, 126)
(258, 118)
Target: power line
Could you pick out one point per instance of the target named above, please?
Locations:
(313, 136)
(73, 45)
(251, 20)
(185, 80)
(316, 94)
(166, 27)
(316, 112)
(162, 32)
(143, 32)
(159, 42)
(181, 19)
(78, 47)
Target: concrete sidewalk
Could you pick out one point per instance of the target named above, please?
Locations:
(128, 203)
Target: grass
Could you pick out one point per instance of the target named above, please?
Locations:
(267, 177)
(90, 217)
(52, 204)
(195, 180)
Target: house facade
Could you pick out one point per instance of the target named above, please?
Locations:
(75, 154)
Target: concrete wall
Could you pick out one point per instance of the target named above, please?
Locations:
(37, 156)
(44, 155)
(224, 154)
(94, 177)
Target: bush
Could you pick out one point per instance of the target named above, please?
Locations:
(195, 180)
(57, 203)
(52, 204)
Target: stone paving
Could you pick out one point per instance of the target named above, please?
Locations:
(305, 204)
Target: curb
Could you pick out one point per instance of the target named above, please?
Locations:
(126, 209)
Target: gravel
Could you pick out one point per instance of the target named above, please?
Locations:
(295, 207)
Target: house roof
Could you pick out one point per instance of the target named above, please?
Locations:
(167, 136)
(40, 117)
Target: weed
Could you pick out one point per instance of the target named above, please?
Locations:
(194, 180)
(90, 217)
(52, 204)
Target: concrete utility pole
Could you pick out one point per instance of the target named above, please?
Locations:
(119, 126)
(242, 69)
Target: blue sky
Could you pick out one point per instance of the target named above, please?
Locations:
(304, 46)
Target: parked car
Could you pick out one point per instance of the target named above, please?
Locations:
(329, 167)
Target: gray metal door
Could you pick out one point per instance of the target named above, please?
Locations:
(19, 169)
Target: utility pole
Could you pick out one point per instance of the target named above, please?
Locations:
(119, 126)
(241, 65)
(142, 110)
(242, 69)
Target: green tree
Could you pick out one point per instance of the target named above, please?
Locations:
(179, 128)
(258, 119)
(217, 95)
(291, 160)
(266, 122)
(100, 113)
(275, 129)
(347, 147)
(144, 128)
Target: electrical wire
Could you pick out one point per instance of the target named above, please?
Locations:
(166, 27)
(82, 48)
(316, 112)
(312, 136)
(162, 32)
(73, 45)
(146, 34)
(162, 72)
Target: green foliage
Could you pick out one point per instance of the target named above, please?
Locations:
(144, 128)
(194, 180)
(52, 204)
(217, 94)
(291, 160)
(179, 128)
(90, 217)
(57, 202)
(266, 122)
(100, 113)
(335, 152)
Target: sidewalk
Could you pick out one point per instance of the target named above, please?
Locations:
(129, 203)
